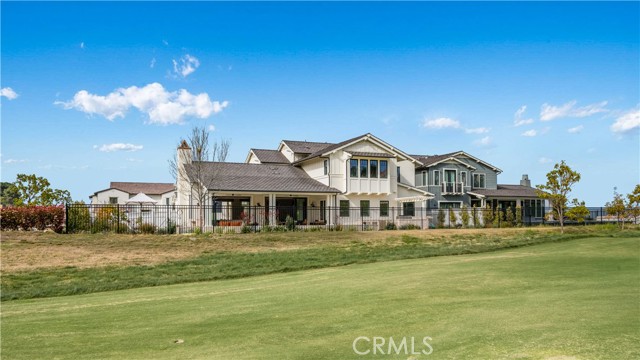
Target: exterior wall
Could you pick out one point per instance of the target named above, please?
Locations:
(315, 169)
(253, 159)
(102, 197)
(491, 180)
(288, 153)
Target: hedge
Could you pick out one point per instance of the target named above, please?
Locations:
(32, 218)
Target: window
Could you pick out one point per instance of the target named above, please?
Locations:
(364, 168)
(344, 208)
(373, 169)
(113, 200)
(364, 208)
(463, 178)
(398, 173)
(408, 209)
(533, 208)
(383, 169)
(449, 205)
(166, 201)
(326, 167)
(436, 177)
(479, 181)
(424, 178)
(323, 210)
(353, 164)
(384, 208)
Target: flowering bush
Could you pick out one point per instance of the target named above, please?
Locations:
(32, 218)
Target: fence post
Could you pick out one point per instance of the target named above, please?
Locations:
(118, 223)
(66, 218)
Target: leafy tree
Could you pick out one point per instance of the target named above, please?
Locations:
(476, 217)
(487, 216)
(453, 219)
(558, 186)
(440, 219)
(518, 216)
(616, 207)
(510, 217)
(8, 193)
(36, 190)
(633, 203)
(578, 211)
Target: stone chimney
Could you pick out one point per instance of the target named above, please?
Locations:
(525, 181)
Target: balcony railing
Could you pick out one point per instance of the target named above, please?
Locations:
(452, 188)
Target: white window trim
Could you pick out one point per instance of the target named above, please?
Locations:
(439, 178)
(466, 178)
(485, 181)
(445, 201)
(424, 178)
(449, 169)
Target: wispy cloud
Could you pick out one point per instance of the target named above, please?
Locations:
(186, 65)
(15, 161)
(82, 45)
(211, 128)
(118, 147)
(162, 107)
(550, 112)
(153, 63)
(627, 122)
(518, 117)
(480, 130)
(544, 160)
(441, 123)
(484, 142)
(575, 130)
(8, 93)
(530, 133)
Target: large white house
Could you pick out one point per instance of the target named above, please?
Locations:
(121, 192)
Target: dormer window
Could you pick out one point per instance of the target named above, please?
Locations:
(353, 168)
(364, 168)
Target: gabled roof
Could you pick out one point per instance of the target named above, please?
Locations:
(335, 147)
(141, 187)
(221, 176)
(506, 191)
(304, 147)
(431, 160)
(269, 156)
(426, 193)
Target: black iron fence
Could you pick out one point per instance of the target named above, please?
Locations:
(173, 219)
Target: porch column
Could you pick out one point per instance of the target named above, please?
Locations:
(272, 209)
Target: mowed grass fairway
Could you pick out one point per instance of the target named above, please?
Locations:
(577, 299)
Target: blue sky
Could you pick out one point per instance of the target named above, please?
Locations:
(100, 92)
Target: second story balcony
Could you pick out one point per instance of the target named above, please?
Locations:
(450, 188)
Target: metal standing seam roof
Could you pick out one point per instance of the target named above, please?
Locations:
(512, 191)
(305, 147)
(218, 176)
(270, 156)
(140, 187)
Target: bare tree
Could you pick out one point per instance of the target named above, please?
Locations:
(191, 165)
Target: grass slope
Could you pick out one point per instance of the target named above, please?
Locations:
(310, 252)
(565, 300)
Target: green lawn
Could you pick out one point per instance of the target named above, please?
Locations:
(576, 299)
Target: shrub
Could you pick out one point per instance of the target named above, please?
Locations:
(465, 216)
(453, 219)
(440, 219)
(518, 216)
(246, 229)
(289, 223)
(391, 226)
(476, 217)
(79, 218)
(147, 228)
(497, 218)
(410, 227)
(33, 217)
(510, 217)
(487, 217)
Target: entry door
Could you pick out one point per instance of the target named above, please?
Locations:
(450, 176)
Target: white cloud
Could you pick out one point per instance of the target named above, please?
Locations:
(441, 123)
(118, 147)
(165, 42)
(575, 130)
(549, 112)
(8, 93)
(627, 122)
(484, 142)
(518, 120)
(530, 133)
(15, 161)
(82, 45)
(187, 65)
(211, 128)
(480, 130)
(153, 63)
(162, 106)
(544, 160)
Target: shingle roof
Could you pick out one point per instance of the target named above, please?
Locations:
(429, 160)
(220, 176)
(140, 187)
(371, 154)
(511, 191)
(305, 147)
(331, 147)
(270, 156)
